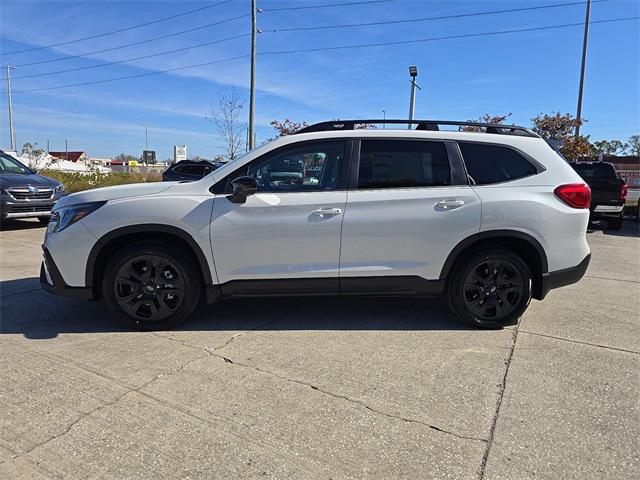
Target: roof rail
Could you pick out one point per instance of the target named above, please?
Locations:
(433, 125)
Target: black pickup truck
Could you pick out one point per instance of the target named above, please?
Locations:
(608, 191)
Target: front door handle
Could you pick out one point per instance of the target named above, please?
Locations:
(449, 204)
(327, 212)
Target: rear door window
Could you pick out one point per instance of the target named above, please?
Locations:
(403, 163)
(595, 170)
(487, 164)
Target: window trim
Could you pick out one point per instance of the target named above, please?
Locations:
(221, 185)
(458, 175)
(532, 161)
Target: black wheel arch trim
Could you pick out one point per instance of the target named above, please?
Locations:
(495, 234)
(146, 228)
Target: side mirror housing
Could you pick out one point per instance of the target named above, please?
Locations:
(242, 187)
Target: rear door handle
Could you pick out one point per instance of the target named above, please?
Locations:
(327, 212)
(449, 204)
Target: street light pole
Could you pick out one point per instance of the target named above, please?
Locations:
(146, 137)
(585, 41)
(12, 135)
(384, 117)
(413, 72)
(252, 94)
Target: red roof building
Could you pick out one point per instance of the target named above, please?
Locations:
(72, 156)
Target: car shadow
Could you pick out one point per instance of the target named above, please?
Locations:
(630, 228)
(28, 310)
(19, 224)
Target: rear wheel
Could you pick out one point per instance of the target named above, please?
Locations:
(615, 223)
(490, 289)
(151, 286)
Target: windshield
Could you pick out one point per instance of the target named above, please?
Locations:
(595, 170)
(8, 164)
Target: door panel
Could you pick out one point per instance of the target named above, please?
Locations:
(278, 235)
(405, 231)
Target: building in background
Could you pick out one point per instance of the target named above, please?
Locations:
(71, 156)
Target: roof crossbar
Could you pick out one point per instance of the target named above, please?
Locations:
(433, 125)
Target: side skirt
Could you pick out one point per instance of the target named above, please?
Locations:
(379, 286)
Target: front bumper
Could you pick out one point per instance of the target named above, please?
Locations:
(561, 278)
(12, 208)
(51, 280)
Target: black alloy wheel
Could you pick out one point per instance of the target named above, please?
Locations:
(149, 287)
(490, 289)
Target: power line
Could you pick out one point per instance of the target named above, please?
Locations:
(448, 37)
(270, 31)
(133, 76)
(425, 19)
(330, 5)
(120, 30)
(166, 52)
(162, 37)
(339, 47)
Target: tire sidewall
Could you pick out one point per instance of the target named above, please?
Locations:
(183, 262)
(455, 293)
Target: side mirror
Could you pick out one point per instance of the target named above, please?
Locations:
(242, 187)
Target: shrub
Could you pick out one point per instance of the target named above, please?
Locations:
(79, 181)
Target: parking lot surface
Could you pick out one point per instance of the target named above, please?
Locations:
(323, 387)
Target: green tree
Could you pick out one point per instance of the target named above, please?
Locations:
(634, 145)
(558, 126)
(486, 118)
(287, 127)
(32, 150)
(609, 147)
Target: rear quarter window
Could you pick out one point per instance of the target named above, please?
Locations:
(488, 164)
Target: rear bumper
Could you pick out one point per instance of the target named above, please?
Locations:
(561, 278)
(51, 280)
(606, 210)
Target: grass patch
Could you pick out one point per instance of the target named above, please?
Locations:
(77, 182)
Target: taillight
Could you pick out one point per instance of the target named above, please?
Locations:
(576, 195)
(624, 189)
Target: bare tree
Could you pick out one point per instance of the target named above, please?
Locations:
(225, 115)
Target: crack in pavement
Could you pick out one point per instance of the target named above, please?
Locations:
(612, 279)
(102, 405)
(596, 345)
(502, 389)
(227, 360)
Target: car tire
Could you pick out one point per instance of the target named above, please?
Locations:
(151, 286)
(615, 223)
(490, 289)
(44, 220)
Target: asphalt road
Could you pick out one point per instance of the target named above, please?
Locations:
(323, 387)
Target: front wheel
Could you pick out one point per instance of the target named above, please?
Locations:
(151, 286)
(490, 289)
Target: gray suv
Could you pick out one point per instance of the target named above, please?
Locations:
(24, 193)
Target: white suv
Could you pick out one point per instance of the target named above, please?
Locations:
(488, 219)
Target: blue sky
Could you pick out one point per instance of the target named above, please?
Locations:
(523, 73)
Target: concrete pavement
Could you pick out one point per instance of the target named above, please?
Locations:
(322, 387)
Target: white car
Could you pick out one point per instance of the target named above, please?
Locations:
(488, 219)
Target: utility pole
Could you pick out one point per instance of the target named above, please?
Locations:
(585, 41)
(252, 95)
(384, 117)
(66, 149)
(47, 145)
(413, 72)
(12, 134)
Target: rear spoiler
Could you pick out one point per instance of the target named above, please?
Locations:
(555, 144)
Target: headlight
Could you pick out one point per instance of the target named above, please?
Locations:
(65, 216)
(59, 188)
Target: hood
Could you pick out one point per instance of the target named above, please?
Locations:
(9, 180)
(113, 193)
